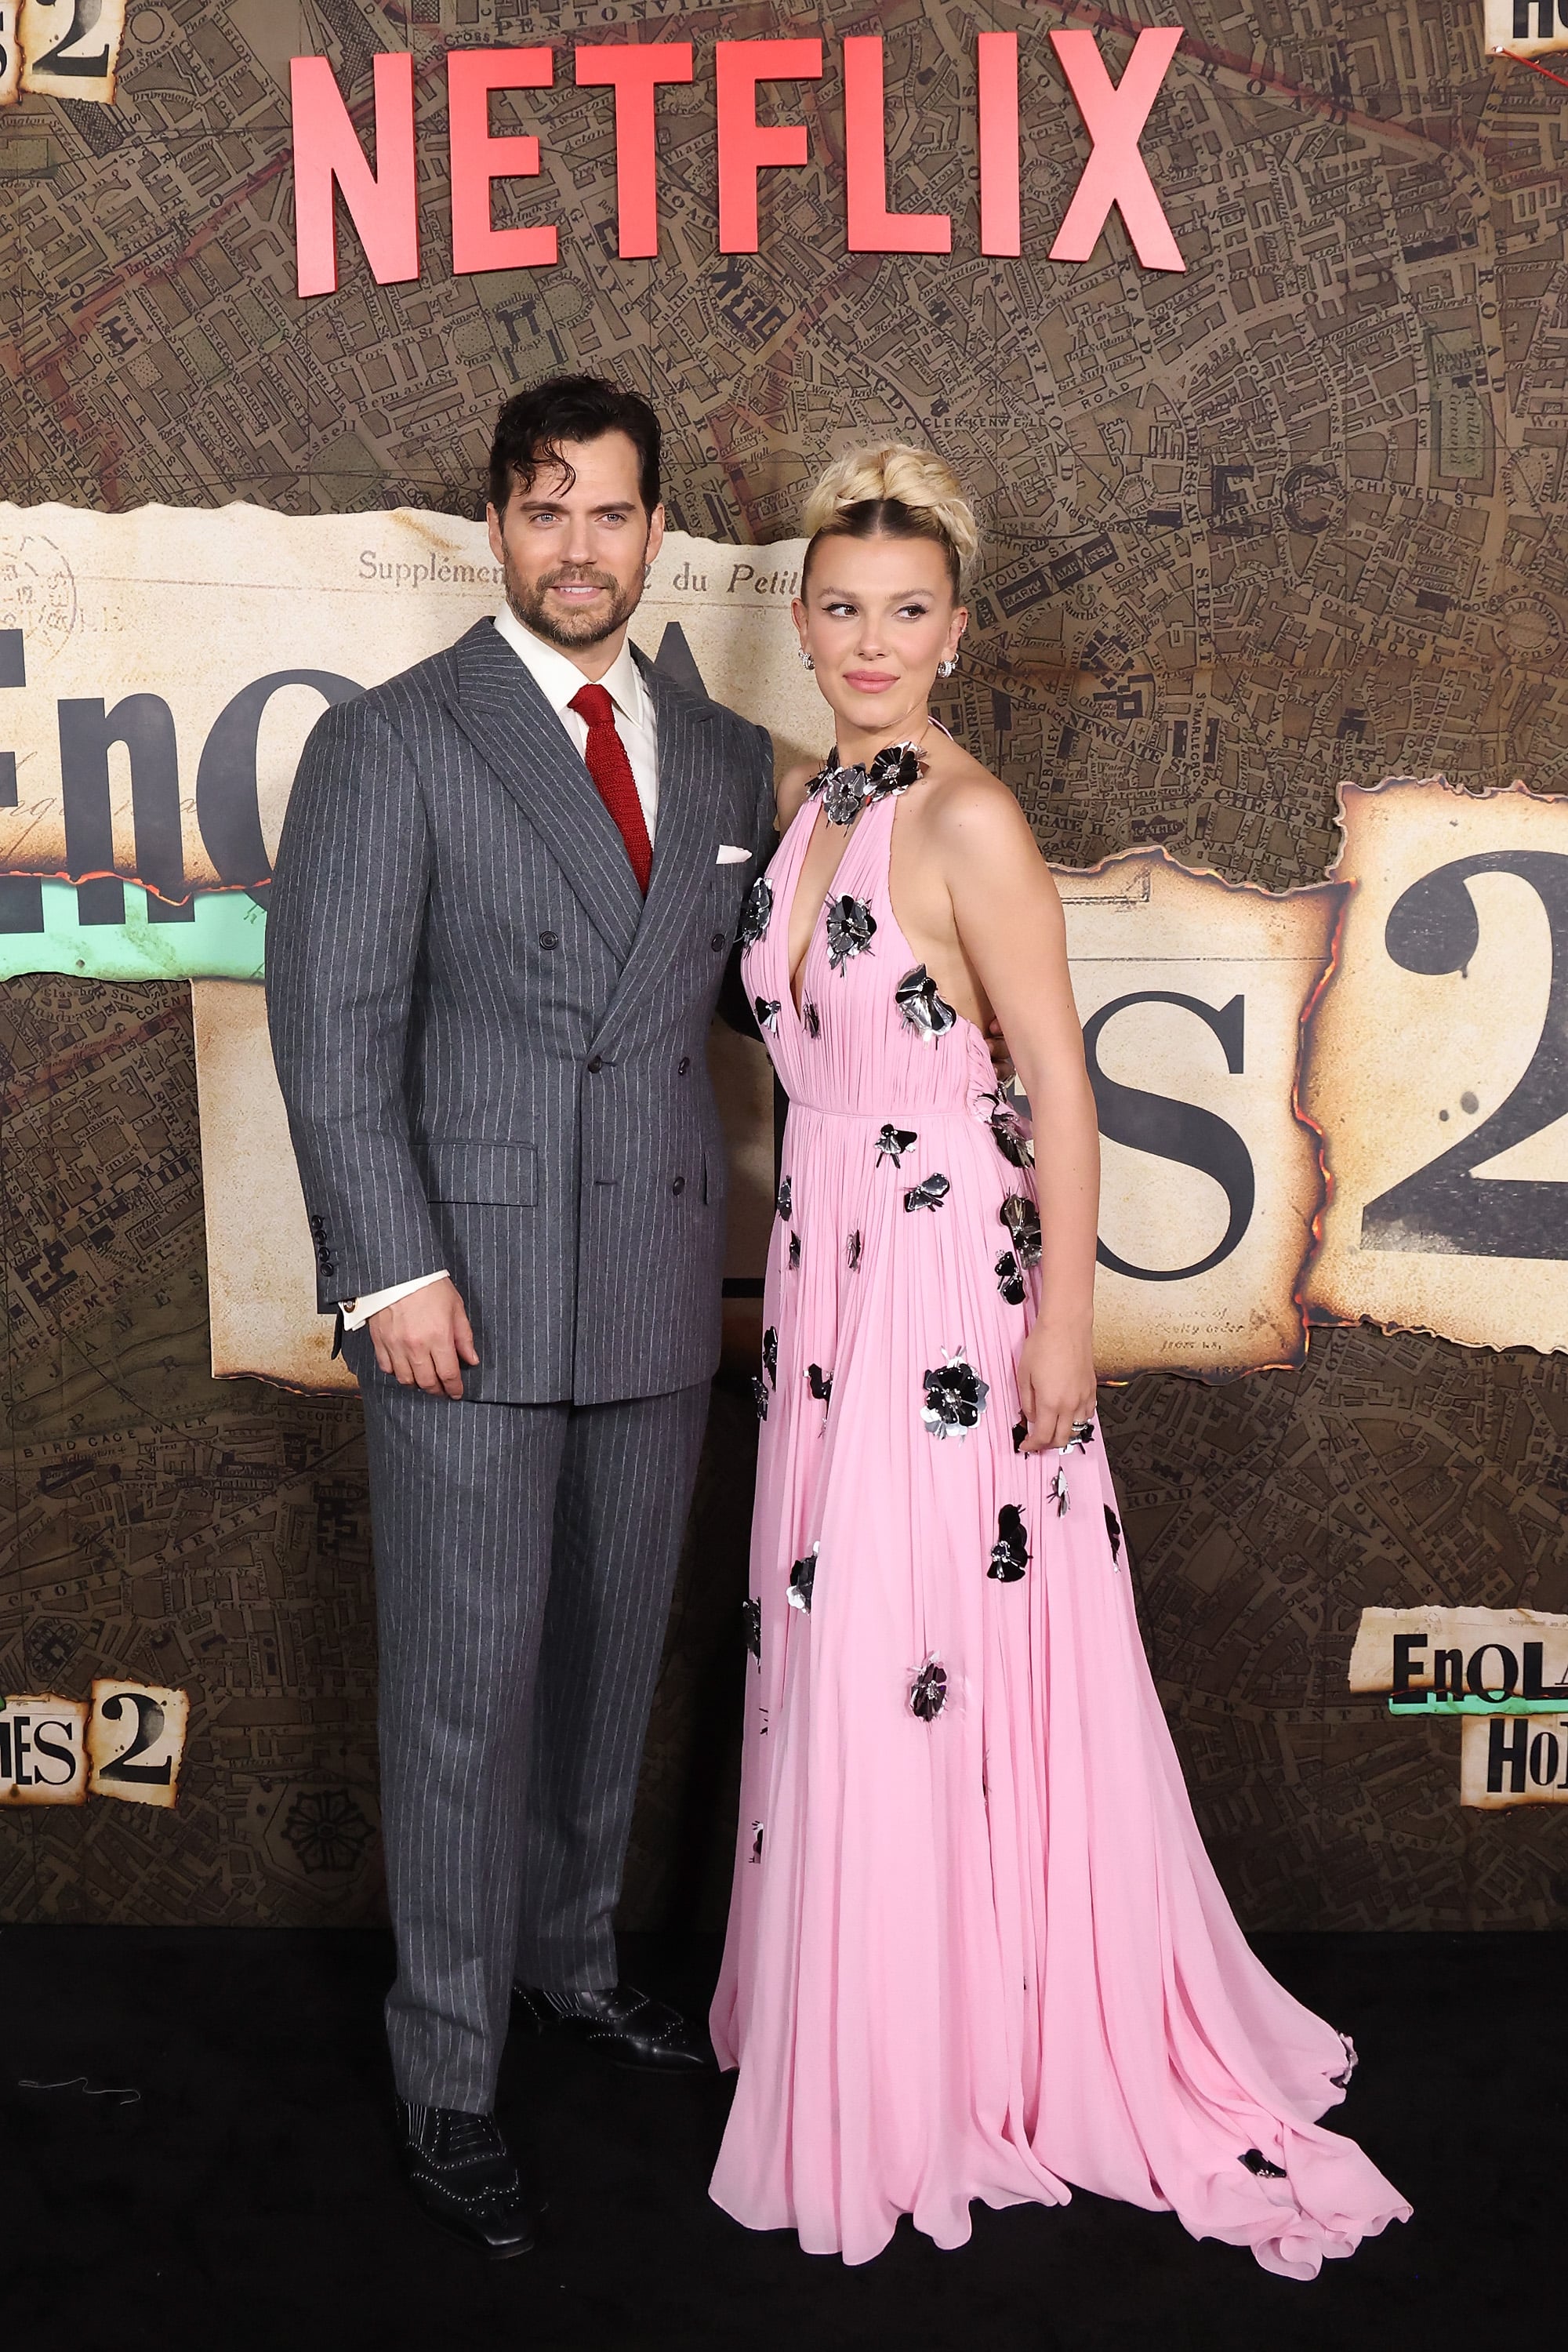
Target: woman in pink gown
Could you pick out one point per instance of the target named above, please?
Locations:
(975, 1946)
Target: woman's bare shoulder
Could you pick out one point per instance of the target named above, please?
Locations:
(964, 798)
(790, 791)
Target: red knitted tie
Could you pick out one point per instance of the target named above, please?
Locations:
(612, 771)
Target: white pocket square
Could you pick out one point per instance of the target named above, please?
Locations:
(729, 856)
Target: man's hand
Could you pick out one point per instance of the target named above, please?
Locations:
(425, 1339)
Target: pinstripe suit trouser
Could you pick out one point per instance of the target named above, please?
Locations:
(524, 1558)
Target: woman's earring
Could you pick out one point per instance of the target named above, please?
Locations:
(806, 660)
(945, 668)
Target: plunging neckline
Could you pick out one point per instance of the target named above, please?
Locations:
(797, 973)
(793, 973)
(896, 929)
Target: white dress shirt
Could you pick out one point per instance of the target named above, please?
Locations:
(558, 678)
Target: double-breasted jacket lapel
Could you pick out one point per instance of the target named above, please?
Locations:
(517, 734)
(684, 836)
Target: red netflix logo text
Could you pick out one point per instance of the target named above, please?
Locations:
(328, 153)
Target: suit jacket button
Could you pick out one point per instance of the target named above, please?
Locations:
(677, 1184)
(719, 942)
(683, 1065)
(548, 939)
(595, 1066)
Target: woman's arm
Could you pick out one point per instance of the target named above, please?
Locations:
(1009, 921)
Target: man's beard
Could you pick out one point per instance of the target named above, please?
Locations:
(571, 631)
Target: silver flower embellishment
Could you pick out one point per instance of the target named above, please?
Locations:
(1010, 1553)
(801, 1577)
(924, 1010)
(851, 926)
(955, 1398)
(928, 1193)
(758, 913)
(1022, 1219)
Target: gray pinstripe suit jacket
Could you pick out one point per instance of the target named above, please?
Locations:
(492, 1050)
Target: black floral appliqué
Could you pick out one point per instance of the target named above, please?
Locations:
(1020, 1432)
(771, 1353)
(926, 1013)
(794, 1251)
(928, 1691)
(752, 1619)
(758, 913)
(851, 926)
(1256, 2162)
(1010, 1134)
(810, 1019)
(1022, 1219)
(955, 1398)
(852, 1250)
(757, 1841)
(893, 1142)
(766, 1009)
(1059, 1494)
(801, 1577)
(1010, 1280)
(928, 1193)
(783, 1199)
(1113, 1529)
(820, 1383)
(1010, 1553)
(846, 791)
(760, 1395)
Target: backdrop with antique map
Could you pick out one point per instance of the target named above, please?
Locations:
(1293, 516)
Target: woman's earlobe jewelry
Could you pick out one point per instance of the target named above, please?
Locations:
(945, 668)
(806, 660)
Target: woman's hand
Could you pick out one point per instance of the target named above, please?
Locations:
(1001, 1054)
(1056, 1382)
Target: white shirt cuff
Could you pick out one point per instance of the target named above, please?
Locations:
(357, 1312)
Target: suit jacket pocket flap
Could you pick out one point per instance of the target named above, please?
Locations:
(459, 1170)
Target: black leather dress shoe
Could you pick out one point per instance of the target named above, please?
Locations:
(463, 2176)
(621, 2024)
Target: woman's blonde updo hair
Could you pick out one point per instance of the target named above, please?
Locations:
(894, 493)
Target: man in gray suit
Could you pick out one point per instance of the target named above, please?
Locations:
(506, 893)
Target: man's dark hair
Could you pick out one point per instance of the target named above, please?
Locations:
(532, 426)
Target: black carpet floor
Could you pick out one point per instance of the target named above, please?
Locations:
(250, 2197)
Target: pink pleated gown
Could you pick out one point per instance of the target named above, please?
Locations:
(976, 1947)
